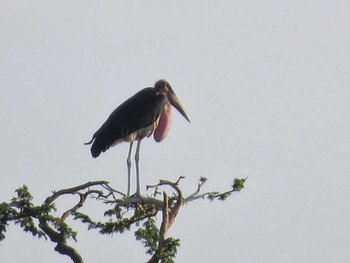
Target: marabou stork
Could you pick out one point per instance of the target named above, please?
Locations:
(148, 111)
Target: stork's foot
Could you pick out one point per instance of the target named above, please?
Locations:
(135, 198)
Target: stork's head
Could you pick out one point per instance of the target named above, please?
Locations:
(164, 87)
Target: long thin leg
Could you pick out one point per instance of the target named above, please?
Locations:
(128, 162)
(137, 159)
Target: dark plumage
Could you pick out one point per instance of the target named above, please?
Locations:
(148, 111)
(139, 111)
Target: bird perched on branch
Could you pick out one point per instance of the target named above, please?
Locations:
(147, 112)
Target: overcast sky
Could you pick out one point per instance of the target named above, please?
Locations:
(266, 85)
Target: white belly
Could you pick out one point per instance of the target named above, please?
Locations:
(139, 134)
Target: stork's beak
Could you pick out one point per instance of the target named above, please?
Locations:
(177, 104)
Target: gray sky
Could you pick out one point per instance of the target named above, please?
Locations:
(265, 83)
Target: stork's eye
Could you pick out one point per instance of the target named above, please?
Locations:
(164, 88)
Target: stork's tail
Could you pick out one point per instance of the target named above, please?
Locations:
(87, 143)
(96, 147)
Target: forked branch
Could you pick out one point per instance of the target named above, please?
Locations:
(123, 213)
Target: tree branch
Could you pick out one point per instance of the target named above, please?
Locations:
(125, 212)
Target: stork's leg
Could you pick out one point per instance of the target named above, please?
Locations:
(137, 159)
(128, 162)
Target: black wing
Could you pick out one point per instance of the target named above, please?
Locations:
(138, 112)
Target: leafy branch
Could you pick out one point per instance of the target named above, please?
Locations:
(122, 213)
